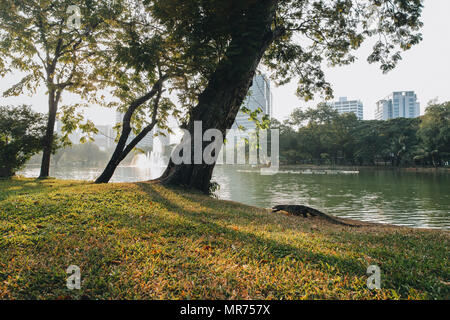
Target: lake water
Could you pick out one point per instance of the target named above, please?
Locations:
(416, 199)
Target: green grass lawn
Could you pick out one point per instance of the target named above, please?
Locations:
(145, 241)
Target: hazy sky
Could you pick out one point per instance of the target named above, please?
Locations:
(424, 69)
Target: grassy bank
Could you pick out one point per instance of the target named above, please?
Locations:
(144, 241)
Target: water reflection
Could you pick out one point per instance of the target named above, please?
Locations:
(122, 174)
(401, 198)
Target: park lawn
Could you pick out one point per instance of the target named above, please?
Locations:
(145, 241)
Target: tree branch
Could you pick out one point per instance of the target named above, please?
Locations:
(146, 130)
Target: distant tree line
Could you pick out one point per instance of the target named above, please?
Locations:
(323, 136)
(83, 154)
(315, 136)
(22, 132)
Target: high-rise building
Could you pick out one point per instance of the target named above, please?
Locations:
(345, 106)
(119, 117)
(399, 104)
(147, 141)
(58, 126)
(260, 96)
(74, 137)
(105, 137)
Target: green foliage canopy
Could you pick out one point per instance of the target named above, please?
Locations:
(39, 39)
(306, 34)
(435, 131)
(21, 133)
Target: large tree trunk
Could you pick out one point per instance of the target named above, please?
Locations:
(227, 88)
(53, 99)
(6, 172)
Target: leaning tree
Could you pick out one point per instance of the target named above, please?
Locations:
(292, 38)
(53, 43)
(138, 62)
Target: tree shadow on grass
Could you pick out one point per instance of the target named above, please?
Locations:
(400, 254)
(188, 238)
(213, 224)
(17, 187)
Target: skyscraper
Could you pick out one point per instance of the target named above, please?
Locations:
(119, 117)
(260, 96)
(345, 106)
(74, 137)
(105, 137)
(399, 104)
